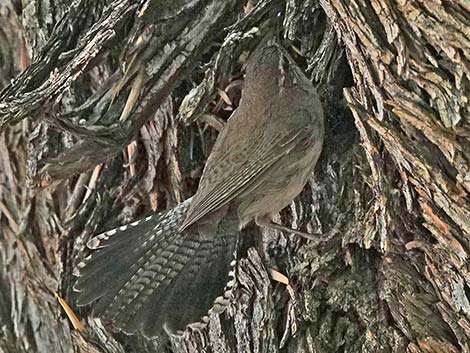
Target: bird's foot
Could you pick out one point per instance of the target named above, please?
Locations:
(315, 237)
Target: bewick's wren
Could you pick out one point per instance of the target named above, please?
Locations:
(166, 271)
(268, 148)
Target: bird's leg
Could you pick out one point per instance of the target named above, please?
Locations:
(317, 237)
(271, 224)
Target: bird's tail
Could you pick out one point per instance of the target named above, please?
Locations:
(146, 276)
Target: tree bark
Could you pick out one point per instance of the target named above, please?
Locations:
(109, 109)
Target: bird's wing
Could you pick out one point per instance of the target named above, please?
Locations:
(250, 163)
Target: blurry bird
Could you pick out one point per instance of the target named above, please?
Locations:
(167, 270)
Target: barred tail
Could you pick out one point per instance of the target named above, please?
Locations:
(146, 276)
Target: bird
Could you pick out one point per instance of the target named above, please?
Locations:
(167, 271)
(264, 156)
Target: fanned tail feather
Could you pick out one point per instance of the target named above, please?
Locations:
(147, 276)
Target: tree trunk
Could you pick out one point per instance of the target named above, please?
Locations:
(109, 109)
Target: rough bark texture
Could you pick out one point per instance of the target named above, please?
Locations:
(81, 81)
